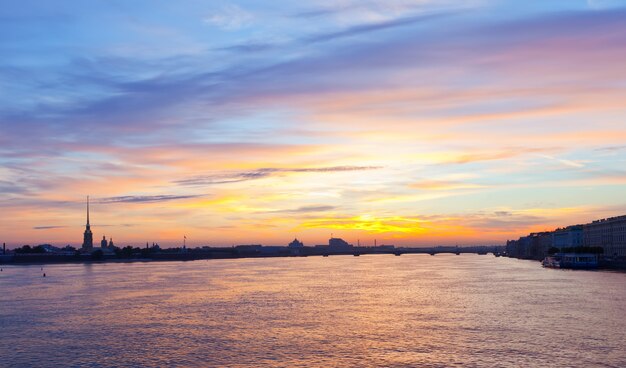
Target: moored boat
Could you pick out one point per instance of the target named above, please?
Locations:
(571, 260)
(552, 262)
(579, 261)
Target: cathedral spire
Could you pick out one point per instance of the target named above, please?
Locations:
(87, 236)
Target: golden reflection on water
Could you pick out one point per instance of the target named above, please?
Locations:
(413, 310)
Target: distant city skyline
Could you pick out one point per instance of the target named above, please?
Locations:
(410, 122)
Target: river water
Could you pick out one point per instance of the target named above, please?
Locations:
(341, 311)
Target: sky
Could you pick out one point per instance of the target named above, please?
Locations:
(412, 123)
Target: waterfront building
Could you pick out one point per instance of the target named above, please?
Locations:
(542, 244)
(609, 233)
(104, 243)
(568, 237)
(296, 244)
(523, 247)
(87, 236)
(532, 246)
(512, 248)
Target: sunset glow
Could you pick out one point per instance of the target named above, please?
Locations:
(406, 122)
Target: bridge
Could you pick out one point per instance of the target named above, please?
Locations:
(358, 251)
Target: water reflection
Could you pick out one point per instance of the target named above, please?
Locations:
(411, 310)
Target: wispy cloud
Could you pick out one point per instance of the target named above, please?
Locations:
(49, 227)
(612, 148)
(230, 17)
(144, 199)
(304, 209)
(7, 187)
(604, 4)
(568, 163)
(249, 47)
(444, 185)
(332, 169)
(235, 177)
(379, 26)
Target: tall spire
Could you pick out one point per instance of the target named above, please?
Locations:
(88, 236)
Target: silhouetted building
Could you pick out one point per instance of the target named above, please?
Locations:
(542, 244)
(338, 243)
(296, 244)
(51, 249)
(248, 249)
(512, 248)
(532, 246)
(88, 236)
(104, 243)
(569, 237)
(609, 233)
(525, 244)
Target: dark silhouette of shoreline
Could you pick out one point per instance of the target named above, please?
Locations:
(129, 254)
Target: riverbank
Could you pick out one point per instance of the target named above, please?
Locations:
(246, 251)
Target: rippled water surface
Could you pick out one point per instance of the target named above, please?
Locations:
(343, 311)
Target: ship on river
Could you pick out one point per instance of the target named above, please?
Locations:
(571, 260)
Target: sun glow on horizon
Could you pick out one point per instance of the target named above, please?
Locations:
(482, 122)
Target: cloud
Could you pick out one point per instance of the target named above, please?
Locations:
(304, 209)
(249, 47)
(116, 225)
(351, 12)
(369, 23)
(224, 178)
(7, 187)
(444, 185)
(379, 26)
(500, 221)
(235, 177)
(321, 12)
(144, 199)
(568, 163)
(466, 158)
(611, 148)
(48, 227)
(141, 100)
(333, 169)
(604, 4)
(230, 17)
